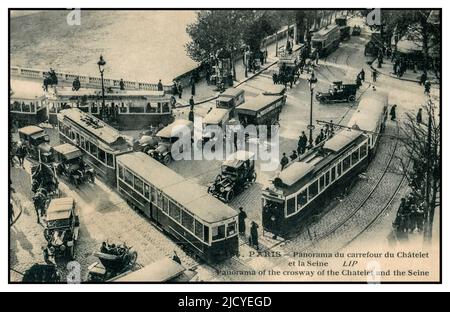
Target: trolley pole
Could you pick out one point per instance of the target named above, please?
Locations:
(101, 67)
(312, 84)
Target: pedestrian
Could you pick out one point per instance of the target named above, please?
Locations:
(427, 86)
(191, 103)
(160, 85)
(11, 213)
(358, 81)
(254, 235)
(423, 78)
(395, 67)
(176, 258)
(293, 156)
(235, 140)
(393, 113)
(241, 217)
(191, 115)
(374, 75)
(193, 88)
(419, 116)
(22, 153)
(180, 90)
(121, 84)
(284, 161)
(362, 74)
(302, 142)
(317, 57)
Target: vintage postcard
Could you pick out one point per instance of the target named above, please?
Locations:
(225, 146)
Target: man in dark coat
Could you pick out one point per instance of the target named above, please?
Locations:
(254, 235)
(302, 142)
(427, 86)
(242, 216)
(362, 75)
(423, 78)
(419, 116)
(393, 113)
(180, 90)
(293, 156)
(160, 85)
(284, 161)
(121, 84)
(191, 103)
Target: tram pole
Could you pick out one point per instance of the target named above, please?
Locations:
(312, 84)
(101, 67)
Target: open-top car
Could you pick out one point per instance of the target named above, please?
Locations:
(356, 31)
(338, 93)
(36, 141)
(69, 163)
(168, 136)
(237, 173)
(62, 226)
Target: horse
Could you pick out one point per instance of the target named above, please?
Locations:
(40, 201)
(50, 79)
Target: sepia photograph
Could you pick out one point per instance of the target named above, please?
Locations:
(231, 145)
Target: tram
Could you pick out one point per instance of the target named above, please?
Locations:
(200, 222)
(326, 40)
(303, 188)
(125, 109)
(27, 109)
(100, 142)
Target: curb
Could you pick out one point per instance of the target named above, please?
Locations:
(395, 77)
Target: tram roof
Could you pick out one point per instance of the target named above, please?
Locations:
(68, 150)
(295, 172)
(186, 192)
(114, 93)
(324, 31)
(215, 116)
(159, 271)
(60, 208)
(341, 140)
(274, 90)
(30, 130)
(369, 112)
(231, 92)
(167, 132)
(259, 103)
(95, 126)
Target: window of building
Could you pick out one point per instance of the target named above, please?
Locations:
(102, 155)
(231, 229)
(138, 185)
(218, 232)
(128, 176)
(290, 206)
(174, 211)
(302, 198)
(313, 190)
(363, 150)
(346, 163)
(355, 157)
(109, 159)
(198, 229)
(187, 220)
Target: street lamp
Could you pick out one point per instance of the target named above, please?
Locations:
(101, 67)
(312, 84)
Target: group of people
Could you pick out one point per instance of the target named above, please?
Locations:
(253, 238)
(410, 216)
(113, 249)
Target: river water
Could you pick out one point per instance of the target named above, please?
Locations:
(137, 45)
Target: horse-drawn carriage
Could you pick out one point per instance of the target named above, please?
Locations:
(69, 163)
(114, 260)
(36, 141)
(289, 67)
(44, 186)
(50, 79)
(62, 226)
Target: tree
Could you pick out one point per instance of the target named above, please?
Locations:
(260, 25)
(422, 164)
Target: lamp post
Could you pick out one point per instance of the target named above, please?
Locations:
(101, 67)
(312, 84)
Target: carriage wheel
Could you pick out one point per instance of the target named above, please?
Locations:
(229, 196)
(167, 159)
(253, 179)
(132, 258)
(352, 98)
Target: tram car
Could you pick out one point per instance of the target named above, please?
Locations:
(303, 188)
(27, 109)
(344, 29)
(198, 221)
(125, 109)
(261, 110)
(325, 41)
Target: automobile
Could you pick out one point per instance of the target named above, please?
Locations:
(37, 142)
(338, 92)
(262, 110)
(113, 261)
(41, 273)
(237, 173)
(356, 31)
(145, 143)
(69, 163)
(375, 44)
(167, 137)
(62, 227)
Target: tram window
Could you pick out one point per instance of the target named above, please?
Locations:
(198, 229)
(153, 194)
(355, 157)
(146, 191)
(165, 204)
(94, 150)
(174, 211)
(302, 198)
(120, 169)
(346, 163)
(327, 178)
(128, 177)
(138, 185)
(333, 174)
(322, 182)
(231, 229)
(77, 138)
(82, 142)
(109, 160)
(338, 169)
(218, 232)
(206, 234)
(290, 209)
(32, 107)
(94, 108)
(313, 189)
(102, 155)
(363, 150)
(166, 108)
(187, 220)
(123, 108)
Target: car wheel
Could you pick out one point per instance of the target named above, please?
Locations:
(167, 159)
(253, 177)
(229, 196)
(133, 258)
(351, 98)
